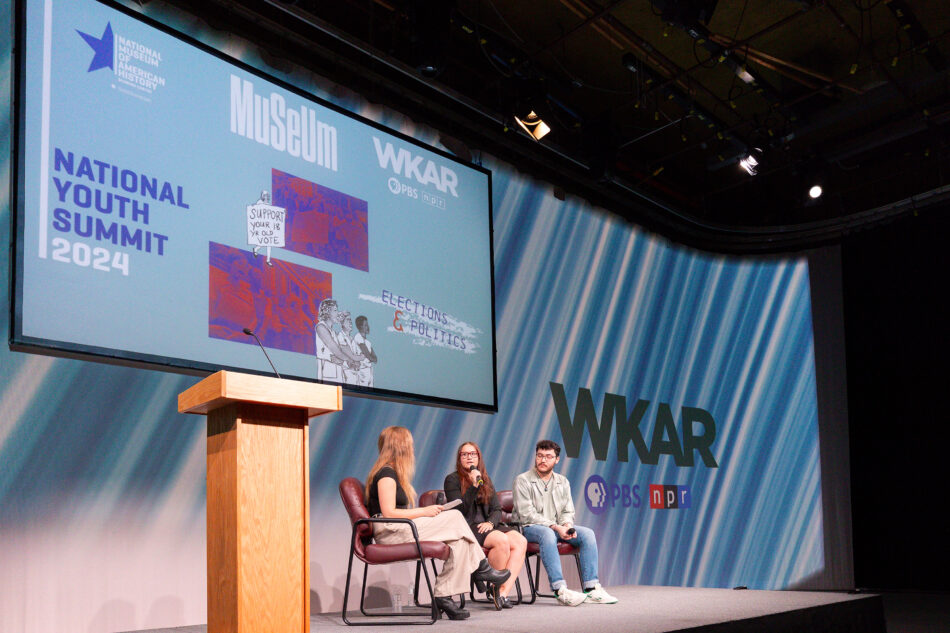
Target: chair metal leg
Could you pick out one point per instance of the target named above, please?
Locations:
(363, 589)
(471, 593)
(536, 588)
(537, 580)
(532, 589)
(415, 587)
(346, 591)
(518, 590)
(433, 609)
(435, 572)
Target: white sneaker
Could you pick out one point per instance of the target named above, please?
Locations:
(570, 598)
(598, 595)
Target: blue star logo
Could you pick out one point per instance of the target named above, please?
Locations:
(102, 47)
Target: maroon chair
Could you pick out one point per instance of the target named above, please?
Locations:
(363, 548)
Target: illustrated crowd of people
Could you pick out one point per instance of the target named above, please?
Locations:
(543, 514)
(342, 356)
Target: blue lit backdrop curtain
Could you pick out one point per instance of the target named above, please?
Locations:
(102, 482)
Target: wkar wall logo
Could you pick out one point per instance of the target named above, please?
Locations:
(133, 64)
(681, 445)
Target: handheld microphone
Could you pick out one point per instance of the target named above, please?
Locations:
(480, 481)
(571, 531)
(250, 332)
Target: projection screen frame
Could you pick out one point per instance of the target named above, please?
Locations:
(70, 350)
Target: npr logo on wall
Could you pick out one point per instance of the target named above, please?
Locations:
(695, 436)
(666, 497)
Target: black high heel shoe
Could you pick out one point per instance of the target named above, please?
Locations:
(447, 606)
(495, 597)
(488, 574)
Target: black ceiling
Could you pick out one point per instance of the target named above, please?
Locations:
(652, 104)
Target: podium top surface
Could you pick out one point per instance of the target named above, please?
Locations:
(225, 387)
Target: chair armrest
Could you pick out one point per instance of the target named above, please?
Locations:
(442, 551)
(514, 526)
(415, 531)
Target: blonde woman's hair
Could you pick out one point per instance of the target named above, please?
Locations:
(395, 451)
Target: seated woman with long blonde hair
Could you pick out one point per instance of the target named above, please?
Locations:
(482, 511)
(389, 494)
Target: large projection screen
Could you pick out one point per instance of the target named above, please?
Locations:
(168, 198)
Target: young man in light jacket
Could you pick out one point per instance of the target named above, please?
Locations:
(544, 507)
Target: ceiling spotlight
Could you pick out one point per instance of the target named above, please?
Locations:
(533, 125)
(744, 75)
(428, 69)
(815, 192)
(629, 61)
(750, 162)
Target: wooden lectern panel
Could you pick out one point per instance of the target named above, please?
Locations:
(258, 520)
(258, 499)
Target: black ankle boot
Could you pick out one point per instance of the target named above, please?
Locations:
(486, 573)
(480, 586)
(447, 606)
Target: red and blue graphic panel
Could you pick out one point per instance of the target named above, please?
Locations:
(278, 302)
(322, 222)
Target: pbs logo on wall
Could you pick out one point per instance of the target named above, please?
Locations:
(595, 494)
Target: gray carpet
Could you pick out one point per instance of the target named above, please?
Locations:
(641, 609)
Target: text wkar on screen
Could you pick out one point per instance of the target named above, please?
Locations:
(417, 167)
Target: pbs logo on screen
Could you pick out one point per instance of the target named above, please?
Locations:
(401, 189)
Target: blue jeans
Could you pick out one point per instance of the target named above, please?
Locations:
(548, 539)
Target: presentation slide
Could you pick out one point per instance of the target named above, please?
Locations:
(172, 204)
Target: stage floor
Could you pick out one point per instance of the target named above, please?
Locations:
(644, 609)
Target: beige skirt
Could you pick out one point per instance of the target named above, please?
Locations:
(450, 528)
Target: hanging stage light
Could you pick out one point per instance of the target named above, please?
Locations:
(751, 161)
(533, 125)
(815, 192)
(750, 164)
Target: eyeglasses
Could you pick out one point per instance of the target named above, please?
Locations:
(469, 454)
(545, 457)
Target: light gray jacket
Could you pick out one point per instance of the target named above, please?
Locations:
(528, 504)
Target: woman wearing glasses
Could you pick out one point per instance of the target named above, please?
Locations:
(506, 546)
(389, 494)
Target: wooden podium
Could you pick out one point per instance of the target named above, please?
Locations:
(258, 499)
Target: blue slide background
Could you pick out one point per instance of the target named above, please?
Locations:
(102, 482)
(180, 132)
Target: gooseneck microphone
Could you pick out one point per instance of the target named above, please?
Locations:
(480, 481)
(250, 332)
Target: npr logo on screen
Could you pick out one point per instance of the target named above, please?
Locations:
(667, 497)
